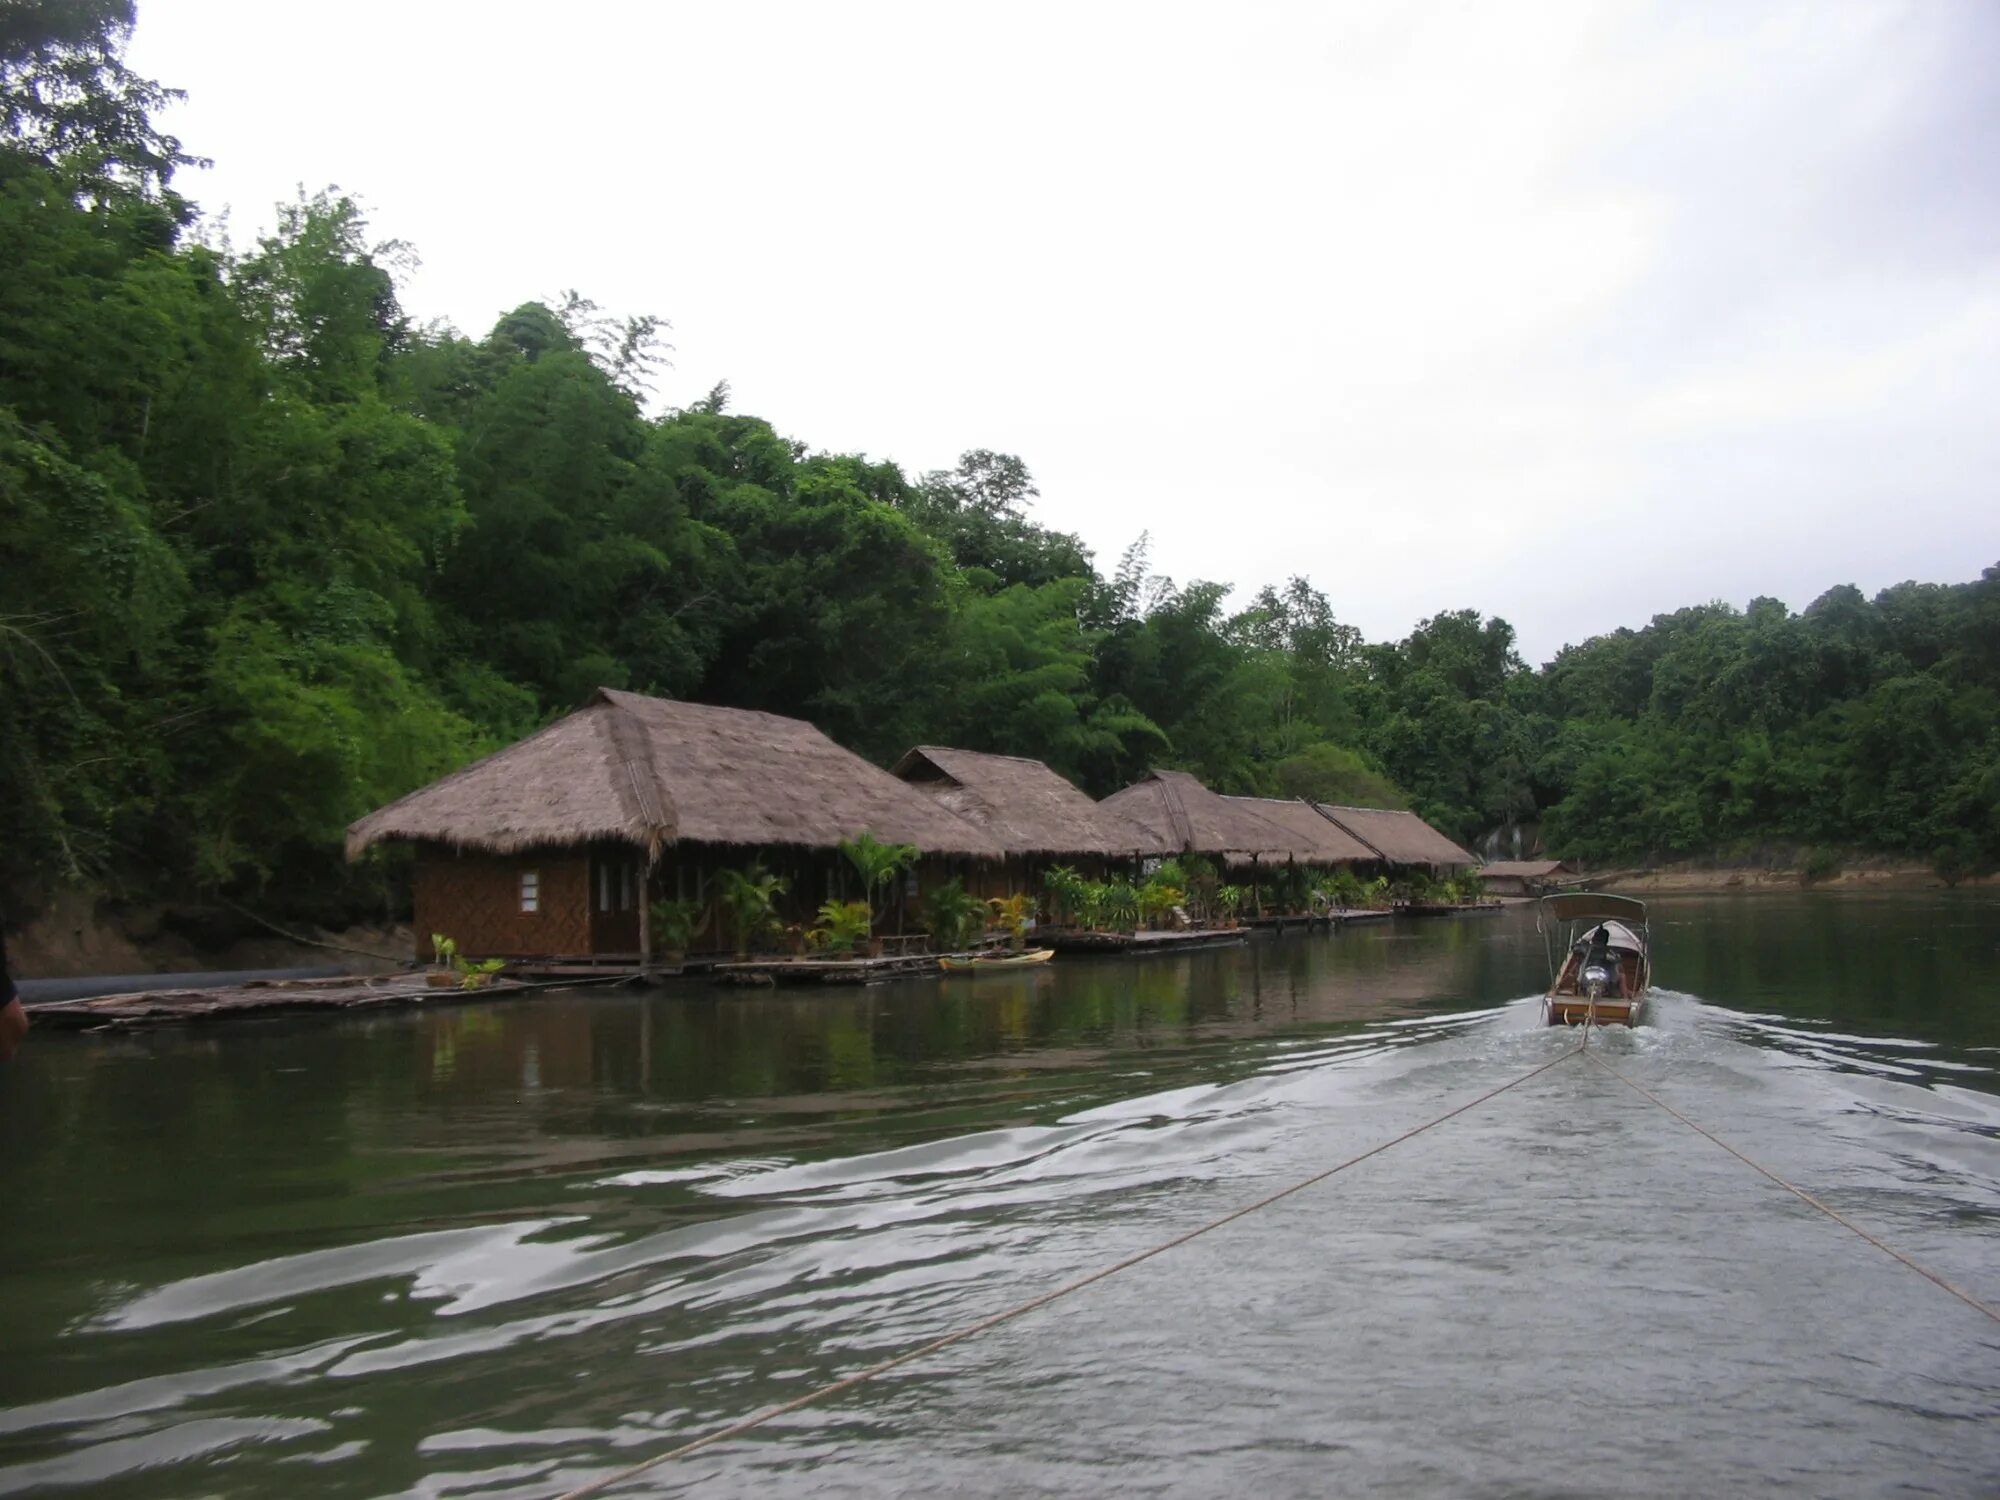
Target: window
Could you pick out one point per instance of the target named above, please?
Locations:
(531, 890)
(604, 887)
(628, 888)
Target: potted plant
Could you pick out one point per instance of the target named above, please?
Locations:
(445, 952)
(674, 924)
(455, 971)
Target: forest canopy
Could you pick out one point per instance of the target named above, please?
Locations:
(273, 553)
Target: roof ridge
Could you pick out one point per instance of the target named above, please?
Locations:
(653, 806)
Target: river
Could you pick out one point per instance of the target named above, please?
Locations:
(499, 1249)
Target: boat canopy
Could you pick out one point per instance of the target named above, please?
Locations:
(1617, 937)
(1585, 906)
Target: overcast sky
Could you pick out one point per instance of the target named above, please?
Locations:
(1569, 312)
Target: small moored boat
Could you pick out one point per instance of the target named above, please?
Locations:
(996, 962)
(1606, 965)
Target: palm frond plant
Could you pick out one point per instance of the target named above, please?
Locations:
(954, 916)
(751, 899)
(1065, 888)
(1090, 904)
(843, 925)
(1157, 900)
(1013, 913)
(1228, 901)
(673, 925)
(1121, 906)
(878, 864)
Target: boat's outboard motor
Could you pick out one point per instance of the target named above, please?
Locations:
(1598, 976)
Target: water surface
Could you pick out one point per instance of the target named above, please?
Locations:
(499, 1249)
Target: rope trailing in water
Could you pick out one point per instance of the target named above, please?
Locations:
(1019, 1309)
(1839, 1218)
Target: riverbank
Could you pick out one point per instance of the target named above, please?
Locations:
(1860, 873)
(78, 933)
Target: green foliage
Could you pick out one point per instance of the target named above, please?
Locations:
(274, 555)
(1119, 908)
(1157, 900)
(471, 976)
(877, 864)
(1013, 913)
(674, 924)
(1334, 774)
(750, 897)
(842, 926)
(1067, 894)
(1818, 865)
(953, 915)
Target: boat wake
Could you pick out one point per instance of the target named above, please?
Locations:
(1562, 1249)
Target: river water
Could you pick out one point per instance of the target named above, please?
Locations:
(501, 1249)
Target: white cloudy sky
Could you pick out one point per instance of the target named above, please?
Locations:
(1570, 312)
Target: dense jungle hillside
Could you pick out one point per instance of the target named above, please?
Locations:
(272, 552)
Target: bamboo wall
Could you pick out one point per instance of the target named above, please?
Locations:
(475, 900)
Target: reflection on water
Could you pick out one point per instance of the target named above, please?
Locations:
(499, 1248)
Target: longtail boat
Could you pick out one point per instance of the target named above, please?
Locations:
(996, 962)
(1605, 968)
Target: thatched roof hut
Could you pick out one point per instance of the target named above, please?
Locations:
(1525, 869)
(1190, 819)
(1400, 838)
(1024, 806)
(1315, 839)
(650, 772)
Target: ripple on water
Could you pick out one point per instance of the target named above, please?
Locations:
(1562, 1291)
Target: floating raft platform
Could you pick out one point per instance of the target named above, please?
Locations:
(772, 971)
(1304, 921)
(253, 998)
(1141, 942)
(1450, 909)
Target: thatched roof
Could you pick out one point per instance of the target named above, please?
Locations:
(1401, 838)
(1314, 838)
(1191, 819)
(651, 772)
(1023, 805)
(1526, 869)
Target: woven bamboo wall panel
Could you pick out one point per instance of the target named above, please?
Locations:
(475, 900)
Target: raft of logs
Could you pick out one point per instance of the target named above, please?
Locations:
(255, 997)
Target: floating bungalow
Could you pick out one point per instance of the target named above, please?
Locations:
(1400, 838)
(1313, 839)
(1188, 818)
(555, 847)
(1035, 816)
(1526, 877)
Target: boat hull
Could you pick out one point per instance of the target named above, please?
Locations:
(1580, 1010)
(996, 965)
